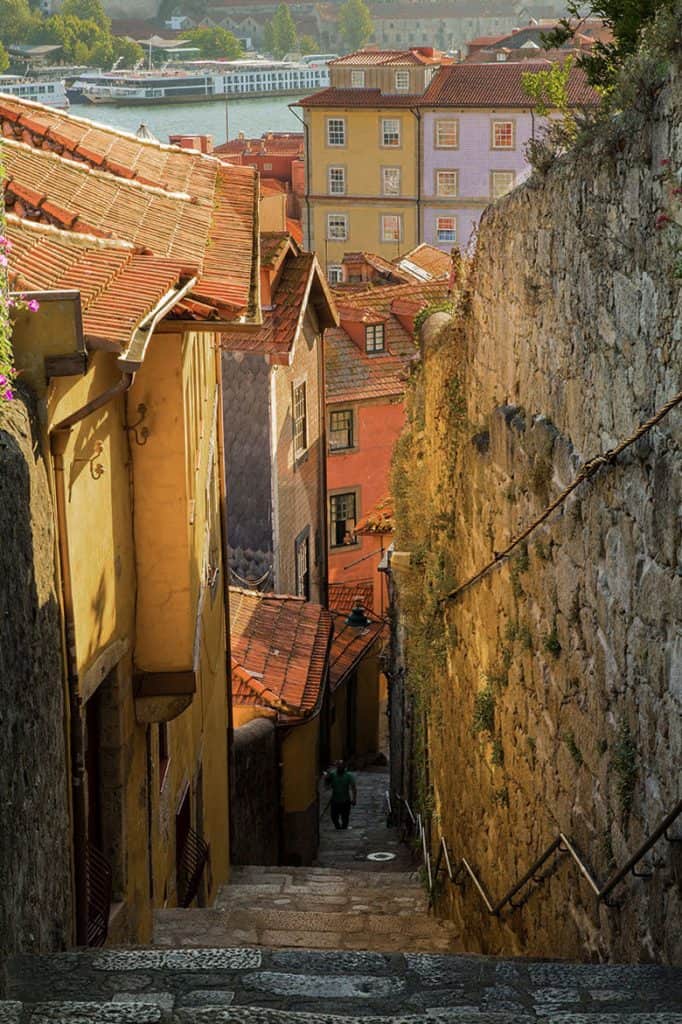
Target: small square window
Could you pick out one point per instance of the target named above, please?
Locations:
(340, 429)
(391, 227)
(302, 559)
(300, 420)
(501, 182)
(337, 227)
(503, 135)
(446, 183)
(267, 167)
(336, 131)
(374, 338)
(337, 181)
(390, 131)
(342, 519)
(390, 181)
(357, 79)
(446, 229)
(402, 81)
(447, 134)
(335, 273)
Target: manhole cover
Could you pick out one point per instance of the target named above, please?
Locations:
(381, 855)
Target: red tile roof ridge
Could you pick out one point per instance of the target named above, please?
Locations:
(74, 237)
(267, 595)
(84, 168)
(385, 293)
(100, 126)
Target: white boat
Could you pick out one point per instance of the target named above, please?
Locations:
(199, 81)
(51, 93)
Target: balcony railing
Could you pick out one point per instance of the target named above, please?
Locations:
(191, 867)
(98, 890)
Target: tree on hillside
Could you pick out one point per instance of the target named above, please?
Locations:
(627, 18)
(215, 43)
(17, 21)
(82, 42)
(4, 59)
(86, 10)
(127, 50)
(284, 37)
(355, 24)
(306, 44)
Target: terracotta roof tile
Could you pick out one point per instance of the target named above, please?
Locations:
(427, 258)
(390, 58)
(497, 85)
(379, 519)
(118, 285)
(334, 97)
(342, 596)
(351, 374)
(351, 644)
(282, 643)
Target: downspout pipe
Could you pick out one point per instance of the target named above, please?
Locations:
(306, 133)
(59, 437)
(418, 116)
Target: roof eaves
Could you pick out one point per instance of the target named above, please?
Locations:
(133, 357)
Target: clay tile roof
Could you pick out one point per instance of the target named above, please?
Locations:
(387, 58)
(295, 229)
(351, 644)
(342, 596)
(498, 85)
(278, 145)
(379, 519)
(272, 246)
(174, 202)
(333, 97)
(118, 286)
(433, 262)
(351, 374)
(282, 643)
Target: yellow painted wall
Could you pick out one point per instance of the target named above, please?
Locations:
(367, 725)
(300, 766)
(363, 157)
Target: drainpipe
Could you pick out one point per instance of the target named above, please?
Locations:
(417, 114)
(59, 437)
(306, 133)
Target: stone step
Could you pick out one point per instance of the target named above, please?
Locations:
(254, 986)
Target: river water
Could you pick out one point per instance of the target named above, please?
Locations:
(251, 116)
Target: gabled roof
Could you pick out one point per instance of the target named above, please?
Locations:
(301, 281)
(179, 203)
(351, 644)
(378, 263)
(352, 374)
(390, 58)
(281, 647)
(118, 284)
(498, 85)
(343, 596)
(333, 97)
(426, 262)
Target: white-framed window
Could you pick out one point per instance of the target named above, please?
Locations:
(390, 131)
(402, 81)
(501, 182)
(357, 79)
(447, 134)
(336, 131)
(374, 338)
(300, 419)
(391, 227)
(446, 183)
(446, 229)
(340, 429)
(337, 181)
(390, 181)
(337, 227)
(267, 167)
(342, 519)
(502, 135)
(334, 273)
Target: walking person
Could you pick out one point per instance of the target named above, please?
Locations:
(344, 793)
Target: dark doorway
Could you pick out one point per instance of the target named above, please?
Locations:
(183, 825)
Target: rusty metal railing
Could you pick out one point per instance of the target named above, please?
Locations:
(540, 868)
(191, 867)
(98, 883)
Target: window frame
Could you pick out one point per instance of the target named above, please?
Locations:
(398, 74)
(382, 133)
(342, 169)
(453, 173)
(328, 124)
(335, 495)
(335, 267)
(350, 429)
(300, 423)
(359, 74)
(451, 217)
(375, 330)
(436, 131)
(338, 238)
(399, 218)
(495, 171)
(493, 125)
(398, 171)
(302, 546)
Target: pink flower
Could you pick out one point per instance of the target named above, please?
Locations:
(661, 221)
(34, 305)
(9, 394)
(3, 380)
(3, 260)
(665, 163)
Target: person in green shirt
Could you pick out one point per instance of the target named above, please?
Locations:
(344, 793)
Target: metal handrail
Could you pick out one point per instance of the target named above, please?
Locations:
(561, 844)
